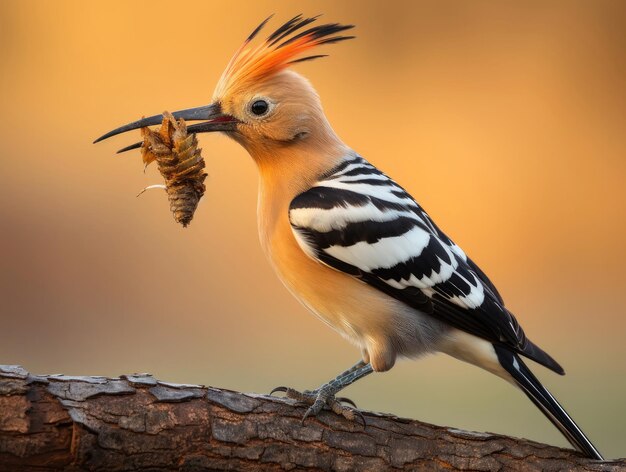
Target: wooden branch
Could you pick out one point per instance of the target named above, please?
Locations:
(58, 422)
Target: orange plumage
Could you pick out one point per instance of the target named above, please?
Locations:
(276, 52)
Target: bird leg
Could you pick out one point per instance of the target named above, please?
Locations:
(325, 395)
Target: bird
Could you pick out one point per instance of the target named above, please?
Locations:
(351, 244)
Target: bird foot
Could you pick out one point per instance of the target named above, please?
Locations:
(318, 398)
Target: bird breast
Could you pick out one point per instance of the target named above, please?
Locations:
(380, 325)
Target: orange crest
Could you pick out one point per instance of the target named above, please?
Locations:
(282, 48)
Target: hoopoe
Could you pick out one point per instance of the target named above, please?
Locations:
(349, 242)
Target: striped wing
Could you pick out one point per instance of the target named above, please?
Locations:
(358, 220)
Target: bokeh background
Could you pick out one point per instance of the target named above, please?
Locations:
(506, 120)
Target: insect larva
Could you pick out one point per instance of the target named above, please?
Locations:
(180, 163)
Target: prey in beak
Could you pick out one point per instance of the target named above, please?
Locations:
(211, 115)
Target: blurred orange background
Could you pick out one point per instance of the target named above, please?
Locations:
(506, 120)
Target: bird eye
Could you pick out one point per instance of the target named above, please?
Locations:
(259, 107)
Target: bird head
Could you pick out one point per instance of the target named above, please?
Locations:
(281, 110)
(258, 100)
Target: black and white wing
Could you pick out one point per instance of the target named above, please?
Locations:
(359, 221)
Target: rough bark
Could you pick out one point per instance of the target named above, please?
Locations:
(58, 422)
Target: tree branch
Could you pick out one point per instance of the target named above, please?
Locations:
(135, 422)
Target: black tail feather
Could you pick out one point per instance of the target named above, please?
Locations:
(534, 352)
(544, 400)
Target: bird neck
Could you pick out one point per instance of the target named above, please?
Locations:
(284, 173)
(293, 167)
(290, 172)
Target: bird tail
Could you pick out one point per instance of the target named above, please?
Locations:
(544, 400)
(534, 352)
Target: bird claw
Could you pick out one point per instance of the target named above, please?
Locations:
(317, 399)
(346, 400)
(279, 389)
(348, 413)
(314, 409)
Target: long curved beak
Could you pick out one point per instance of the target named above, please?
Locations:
(214, 120)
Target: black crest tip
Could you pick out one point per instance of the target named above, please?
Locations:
(259, 28)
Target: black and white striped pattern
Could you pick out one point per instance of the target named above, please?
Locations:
(358, 220)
